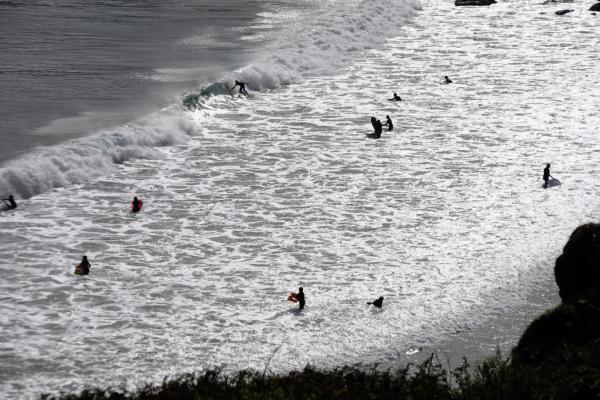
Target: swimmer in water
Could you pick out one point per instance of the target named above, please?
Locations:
(389, 123)
(242, 86)
(300, 297)
(136, 205)
(84, 267)
(447, 80)
(10, 203)
(377, 303)
(395, 98)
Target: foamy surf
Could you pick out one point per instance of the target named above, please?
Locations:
(444, 216)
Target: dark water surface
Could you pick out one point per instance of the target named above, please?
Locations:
(71, 67)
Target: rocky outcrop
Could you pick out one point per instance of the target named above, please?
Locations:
(474, 2)
(595, 7)
(570, 333)
(577, 269)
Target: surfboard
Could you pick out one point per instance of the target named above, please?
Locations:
(553, 182)
(293, 297)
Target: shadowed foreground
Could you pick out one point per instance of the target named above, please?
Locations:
(558, 357)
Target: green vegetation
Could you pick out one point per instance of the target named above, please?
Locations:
(497, 378)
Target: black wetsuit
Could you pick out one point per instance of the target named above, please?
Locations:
(136, 205)
(300, 297)
(389, 124)
(11, 205)
(546, 176)
(83, 268)
(378, 303)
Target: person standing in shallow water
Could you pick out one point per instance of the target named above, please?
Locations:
(300, 297)
(136, 205)
(389, 123)
(546, 176)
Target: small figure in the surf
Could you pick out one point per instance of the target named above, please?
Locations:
(377, 303)
(389, 123)
(10, 203)
(447, 80)
(546, 177)
(377, 127)
(396, 97)
(84, 267)
(300, 297)
(297, 297)
(242, 86)
(136, 205)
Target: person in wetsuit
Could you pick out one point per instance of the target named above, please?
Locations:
(377, 303)
(136, 205)
(242, 86)
(84, 267)
(396, 97)
(447, 80)
(389, 123)
(10, 203)
(300, 297)
(546, 176)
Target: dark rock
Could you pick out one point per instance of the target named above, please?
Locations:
(474, 2)
(577, 269)
(567, 332)
(571, 332)
(595, 7)
(562, 12)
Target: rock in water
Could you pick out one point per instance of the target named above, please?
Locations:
(562, 12)
(595, 7)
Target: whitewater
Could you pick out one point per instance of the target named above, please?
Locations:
(246, 199)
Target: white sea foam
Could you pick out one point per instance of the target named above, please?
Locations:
(444, 217)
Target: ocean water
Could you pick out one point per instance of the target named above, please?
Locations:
(246, 199)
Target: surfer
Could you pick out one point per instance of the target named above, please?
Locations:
(84, 267)
(300, 297)
(396, 97)
(10, 203)
(447, 80)
(377, 303)
(389, 123)
(136, 205)
(377, 127)
(546, 176)
(242, 86)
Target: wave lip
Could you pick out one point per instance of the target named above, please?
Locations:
(80, 160)
(325, 40)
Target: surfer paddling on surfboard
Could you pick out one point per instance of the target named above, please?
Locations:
(297, 297)
(242, 86)
(447, 80)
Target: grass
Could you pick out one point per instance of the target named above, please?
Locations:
(497, 378)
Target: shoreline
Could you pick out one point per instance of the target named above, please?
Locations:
(501, 330)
